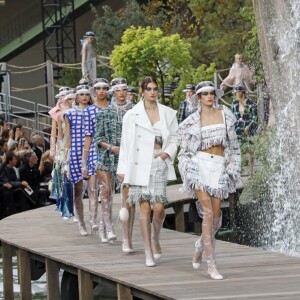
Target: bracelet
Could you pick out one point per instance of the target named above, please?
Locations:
(83, 164)
(109, 148)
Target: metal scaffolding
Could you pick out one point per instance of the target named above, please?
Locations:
(59, 38)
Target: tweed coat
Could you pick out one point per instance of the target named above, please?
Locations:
(190, 142)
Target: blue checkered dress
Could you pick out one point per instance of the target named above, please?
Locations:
(77, 134)
(90, 127)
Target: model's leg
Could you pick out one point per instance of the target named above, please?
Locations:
(145, 225)
(217, 218)
(79, 206)
(207, 232)
(157, 223)
(106, 193)
(127, 226)
(93, 203)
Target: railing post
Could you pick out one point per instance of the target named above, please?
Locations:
(24, 274)
(85, 285)
(50, 85)
(8, 283)
(52, 273)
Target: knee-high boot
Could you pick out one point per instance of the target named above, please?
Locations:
(157, 223)
(107, 192)
(145, 226)
(127, 227)
(197, 259)
(79, 207)
(207, 236)
(93, 204)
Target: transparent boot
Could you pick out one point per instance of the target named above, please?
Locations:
(157, 223)
(79, 207)
(197, 259)
(145, 226)
(127, 227)
(93, 204)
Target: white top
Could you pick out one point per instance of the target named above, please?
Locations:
(213, 135)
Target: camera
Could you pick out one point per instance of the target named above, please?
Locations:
(22, 142)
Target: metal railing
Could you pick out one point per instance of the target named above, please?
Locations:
(32, 115)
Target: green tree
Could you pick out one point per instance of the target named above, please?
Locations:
(202, 73)
(224, 31)
(148, 52)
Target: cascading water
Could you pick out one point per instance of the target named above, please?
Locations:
(278, 23)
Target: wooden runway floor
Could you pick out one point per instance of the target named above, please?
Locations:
(249, 273)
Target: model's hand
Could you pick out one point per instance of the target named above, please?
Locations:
(162, 155)
(246, 130)
(121, 177)
(115, 150)
(84, 172)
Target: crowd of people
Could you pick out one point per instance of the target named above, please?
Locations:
(104, 144)
(25, 170)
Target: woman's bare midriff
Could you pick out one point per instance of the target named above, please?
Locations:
(157, 147)
(215, 150)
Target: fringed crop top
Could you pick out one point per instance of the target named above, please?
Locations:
(213, 135)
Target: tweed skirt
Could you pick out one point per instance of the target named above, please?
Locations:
(155, 191)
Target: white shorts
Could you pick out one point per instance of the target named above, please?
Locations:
(210, 168)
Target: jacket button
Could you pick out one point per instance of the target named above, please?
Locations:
(212, 156)
(137, 149)
(136, 163)
(139, 136)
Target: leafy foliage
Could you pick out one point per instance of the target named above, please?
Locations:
(148, 52)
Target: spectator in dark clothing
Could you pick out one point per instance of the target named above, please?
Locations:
(33, 173)
(38, 146)
(13, 199)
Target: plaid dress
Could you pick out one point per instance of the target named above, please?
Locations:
(77, 134)
(109, 130)
(90, 114)
(249, 118)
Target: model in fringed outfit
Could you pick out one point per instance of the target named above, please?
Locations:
(65, 105)
(148, 148)
(89, 158)
(107, 142)
(209, 163)
(55, 141)
(74, 140)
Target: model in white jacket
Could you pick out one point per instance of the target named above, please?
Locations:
(145, 165)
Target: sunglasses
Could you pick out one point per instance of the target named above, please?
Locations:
(207, 93)
(84, 94)
(148, 89)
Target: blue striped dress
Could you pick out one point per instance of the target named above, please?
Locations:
(77, 134)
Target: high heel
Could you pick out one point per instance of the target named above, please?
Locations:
(149, 259)
(102, 233)
(197, 259)
(94, 227)
(111, 236)
(82, 230)
(212, 270)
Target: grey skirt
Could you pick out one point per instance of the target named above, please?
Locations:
(156, 189)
